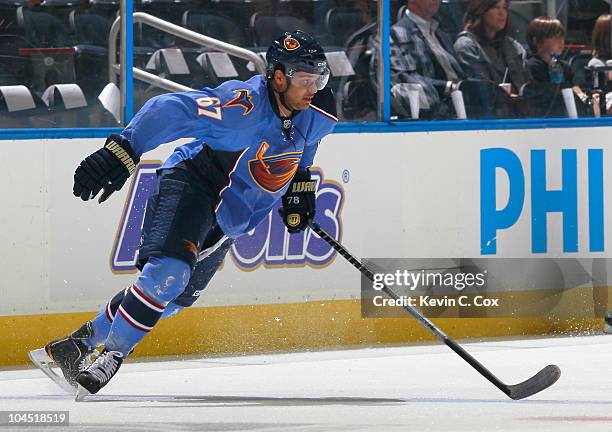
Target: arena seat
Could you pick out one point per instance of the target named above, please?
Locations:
(168, 10)
(218, 67)
(340, 23)
(170, 60)
(544, 100)
(89, 28)
(17, 98)
(63, 3)
(486, 100)
(265, 28)
(215, 25)
(106, 8)
(241, 11)
(41, 29)
(16, 106)
(450, 16)
(356, 97)
(105, 3)
(66, 105)
(578, 64)
(14, 69)
(8, 15)
(70, 96)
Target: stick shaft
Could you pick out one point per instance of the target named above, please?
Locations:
(411, 310)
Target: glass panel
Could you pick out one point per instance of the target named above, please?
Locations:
(590, 36)
(357, 91)
(488, 59)
(343, 28)
(53, 63)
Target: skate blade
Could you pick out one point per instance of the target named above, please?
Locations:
(81, 393)
(607, 328)
(42, 361)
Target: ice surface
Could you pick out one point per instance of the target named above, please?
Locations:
(417, 388)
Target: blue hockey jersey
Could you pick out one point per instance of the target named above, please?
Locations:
(239, 147)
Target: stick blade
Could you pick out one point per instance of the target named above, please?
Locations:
(540, 381)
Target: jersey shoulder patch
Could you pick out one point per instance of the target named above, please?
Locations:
(324, 103)
(242, 99)
(232, 101)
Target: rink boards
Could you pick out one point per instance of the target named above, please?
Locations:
(497, 194)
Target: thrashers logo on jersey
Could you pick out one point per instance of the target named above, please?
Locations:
(243, 100)
(272, 173)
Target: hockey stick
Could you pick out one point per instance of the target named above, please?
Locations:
(540, 381)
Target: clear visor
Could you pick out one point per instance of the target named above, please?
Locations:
(307, 80)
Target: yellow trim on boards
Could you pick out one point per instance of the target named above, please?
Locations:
(234, 330)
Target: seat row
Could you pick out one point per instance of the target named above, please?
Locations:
(44, 26)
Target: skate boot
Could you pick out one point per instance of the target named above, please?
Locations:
(70, 354)
(608, 323)
(99, 373)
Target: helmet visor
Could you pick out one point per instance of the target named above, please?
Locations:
(307, 80)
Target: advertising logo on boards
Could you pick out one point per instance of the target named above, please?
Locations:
(269, 244)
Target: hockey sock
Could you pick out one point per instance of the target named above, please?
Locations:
(162, 280)
(136, 316)
(102, 322)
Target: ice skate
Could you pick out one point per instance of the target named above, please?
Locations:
(608, 323)
(70, 355)
(99, 373)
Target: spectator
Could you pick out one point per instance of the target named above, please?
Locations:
(601, 41)
(422, 53)
(546, 40)
(602, 53)
(484, 49)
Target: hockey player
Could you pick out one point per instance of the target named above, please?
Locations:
(254, 143)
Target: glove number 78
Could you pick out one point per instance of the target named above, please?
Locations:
(293, 199)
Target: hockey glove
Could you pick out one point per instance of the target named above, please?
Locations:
(299, 202)
(107, 169)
